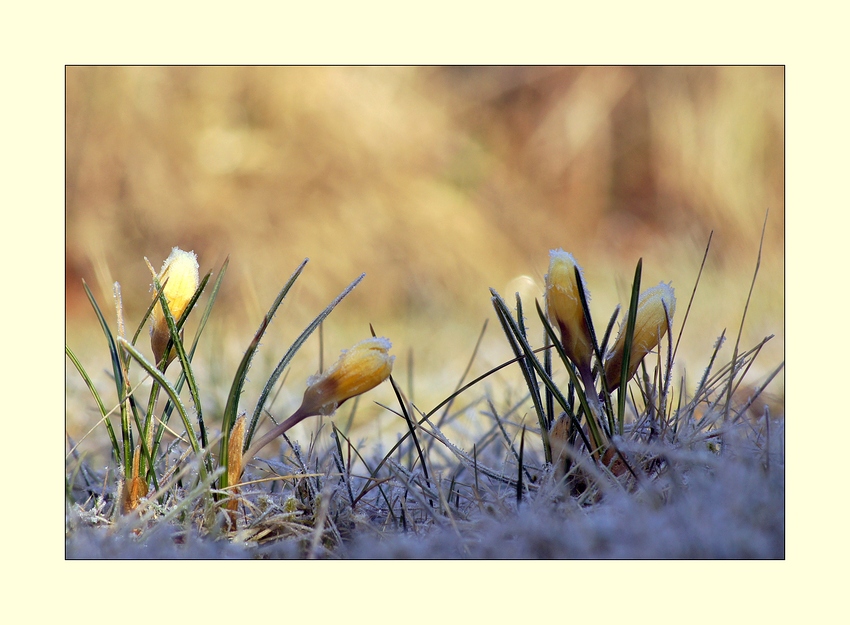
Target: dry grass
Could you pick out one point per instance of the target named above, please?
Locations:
(437, 182)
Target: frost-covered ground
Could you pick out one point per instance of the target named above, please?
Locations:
(704, 505)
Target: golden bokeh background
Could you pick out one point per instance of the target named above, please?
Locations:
(438, 183)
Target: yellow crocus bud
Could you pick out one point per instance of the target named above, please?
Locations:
(650, 328)
(358, 370)
(181, 272)
(563, 305)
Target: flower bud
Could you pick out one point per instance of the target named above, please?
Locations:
(135, 487)
(234, 451)
(563, 305)
(234, 466)
(358, 370)
(650, 328)
(181, 272)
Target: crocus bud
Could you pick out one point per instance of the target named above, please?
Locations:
(234, 465)
(181, 271)
(358, 370)
(135, 487)
(563, 305)
(234, 451)
(650, 328)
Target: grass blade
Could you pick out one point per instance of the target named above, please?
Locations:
(412, 430)
(743, 318)
(116, 448)
(587, 375)
(118, 376)
(507, 438)
(463, 376)
(515, 331)
(232, 405)
(178, 386)
(427, 416)
(528, 353)
(627, 349)
(582, 397)
(519, 470)
(533, 387)
(547, 367)
(175, 398)
(177, 343)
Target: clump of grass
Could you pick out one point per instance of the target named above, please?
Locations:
(617, 427)
(594, 420)
(143, 465)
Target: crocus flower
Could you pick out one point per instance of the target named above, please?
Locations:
(181, 272)
(650, 328)
(358, 370)
(563, 305)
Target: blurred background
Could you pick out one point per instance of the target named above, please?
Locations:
(438, 183)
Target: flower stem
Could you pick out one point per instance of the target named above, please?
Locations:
(298, 416)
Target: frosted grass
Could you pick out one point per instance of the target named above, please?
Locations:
(729, 506)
